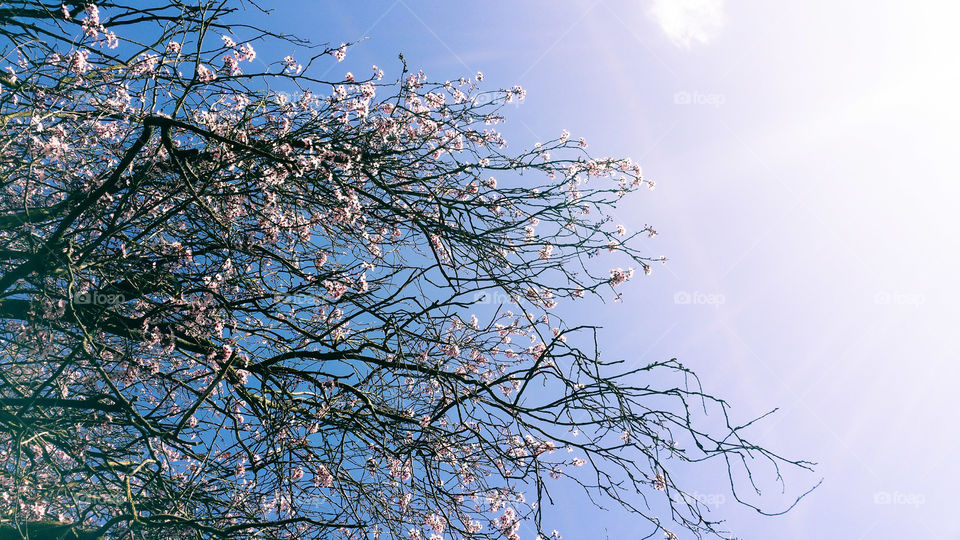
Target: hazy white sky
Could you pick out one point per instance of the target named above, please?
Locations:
(806, 159)
(688, 21)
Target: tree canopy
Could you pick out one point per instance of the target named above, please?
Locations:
(238, 300)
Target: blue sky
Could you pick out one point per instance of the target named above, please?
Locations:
(805, 155)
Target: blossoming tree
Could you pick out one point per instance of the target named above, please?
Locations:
(239, 301)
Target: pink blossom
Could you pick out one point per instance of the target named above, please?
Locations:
(659, 482)
(322, 476)
(436, 522)
(93, 14)
(400, 470)
(619, 275)
(231, 64)
(78, 62)
(335, 289)
(291, 66)
(205, 74)
(111, 39)
(246, 52)
(435, 99)
(145, 63)
(91, 23)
